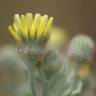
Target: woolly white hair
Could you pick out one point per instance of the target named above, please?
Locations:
(81, 47)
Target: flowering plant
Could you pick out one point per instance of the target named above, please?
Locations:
(48, 72)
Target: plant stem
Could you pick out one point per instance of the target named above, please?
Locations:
(44, 80)
(32, 70)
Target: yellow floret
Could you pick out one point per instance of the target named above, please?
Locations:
(26, 26)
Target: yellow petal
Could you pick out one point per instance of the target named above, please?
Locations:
(35, 24)
(49, 25)
(18, 23)
(29, 21)
(15, 27)
(24, 26)
(14, 34)
(42, 27)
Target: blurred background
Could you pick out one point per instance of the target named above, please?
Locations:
(75, 16)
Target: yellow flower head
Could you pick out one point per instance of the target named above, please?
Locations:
(84, 71)
(27, 27)
(57, 37)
